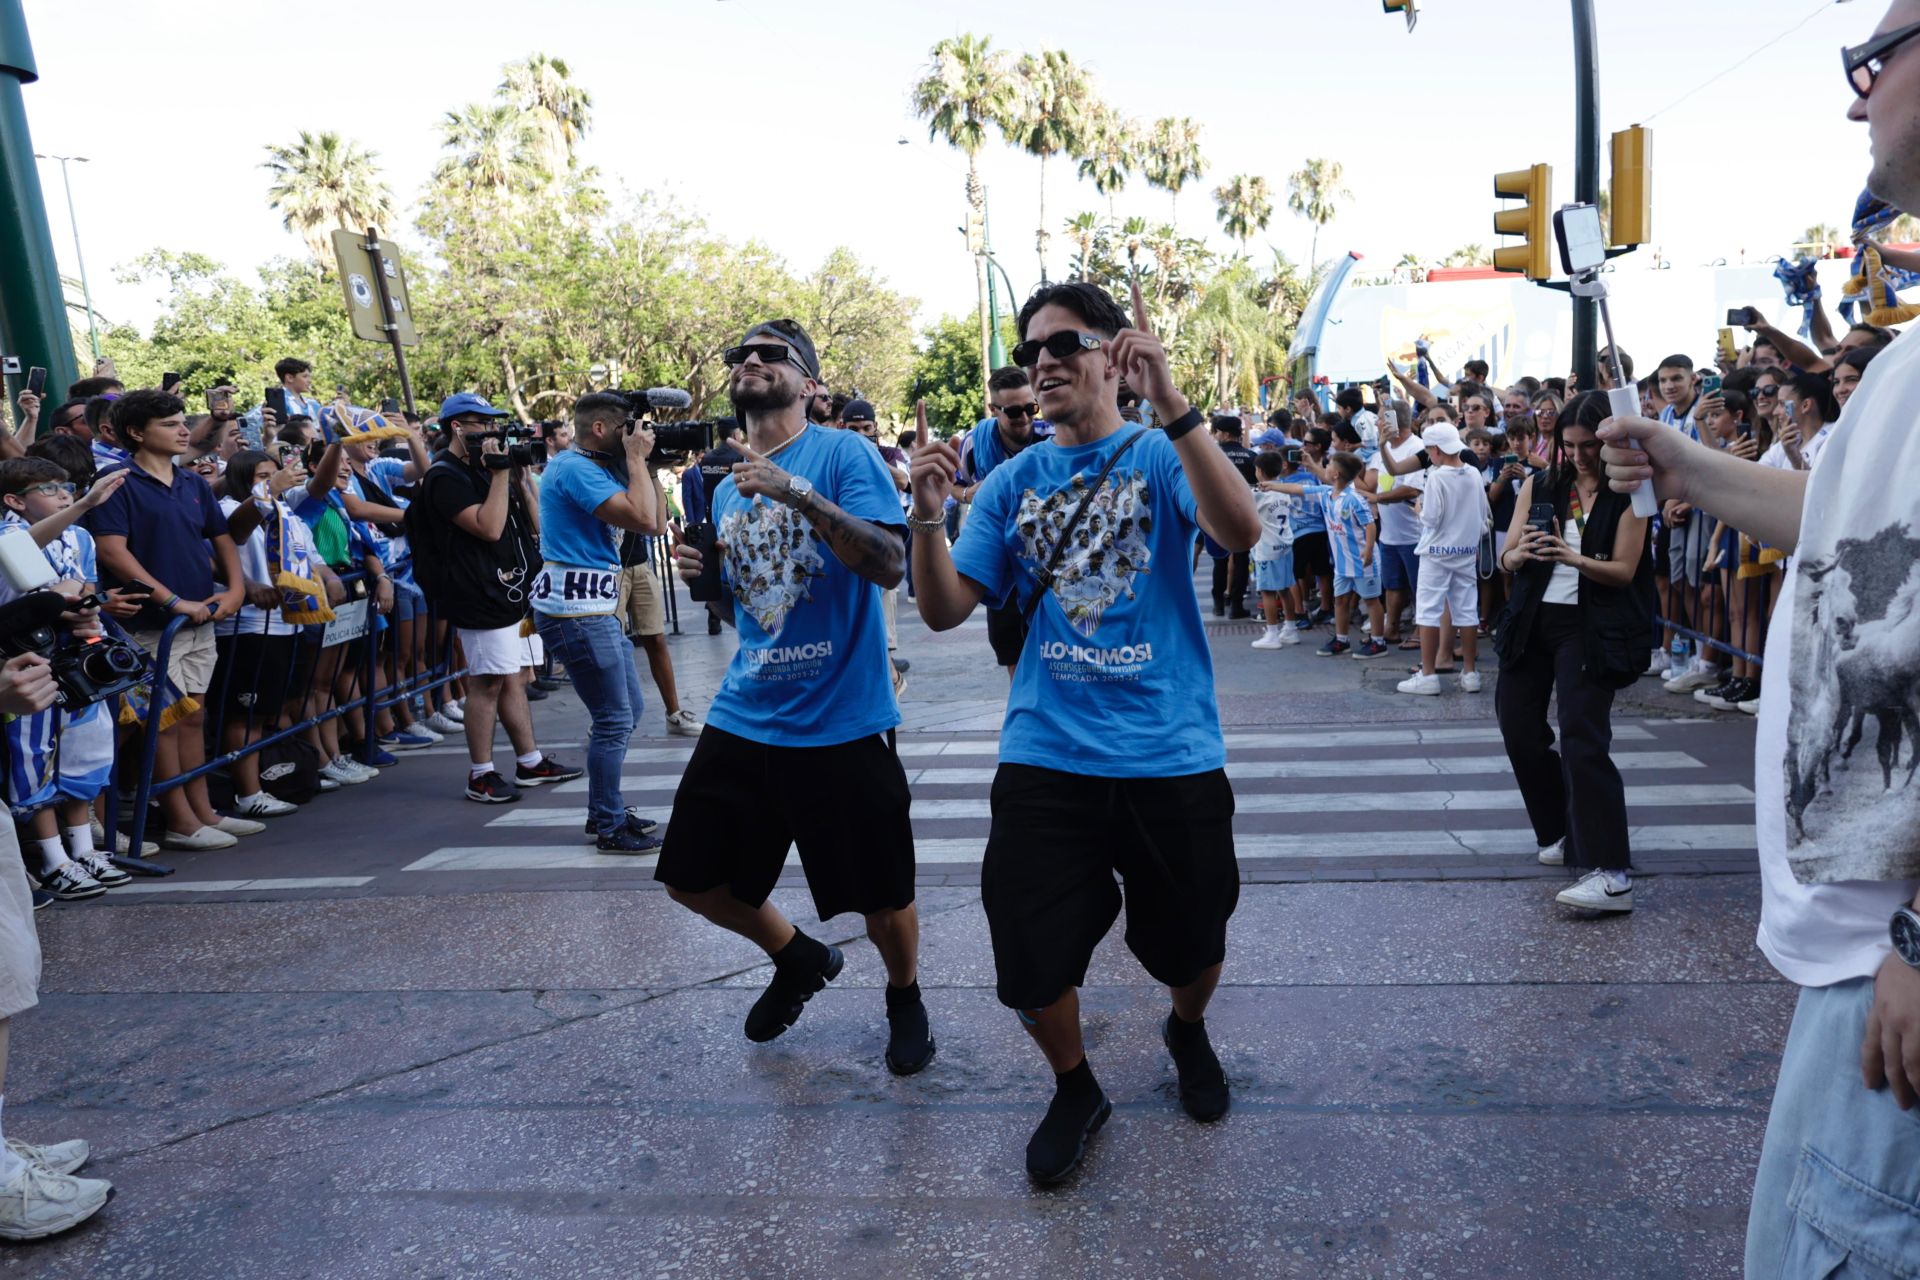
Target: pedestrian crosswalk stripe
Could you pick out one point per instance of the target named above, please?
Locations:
(528, 857)
(237, 886)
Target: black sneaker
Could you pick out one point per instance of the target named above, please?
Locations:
(1060, 1143)
(1203, 1082)
(491, 788)
(535, 693)
(791, 987)
(910, 1044)
(644, 826)
(628, 841)
(548, 770)
(547, 686)
(41, 899)
(70, 882)
(1219, 609)
(713, 625)
(1237, 612)
(902, 665)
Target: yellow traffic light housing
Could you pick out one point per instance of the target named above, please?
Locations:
(1532, 220)
(1402, 6)
(1630, 195)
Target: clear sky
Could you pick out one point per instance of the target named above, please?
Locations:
(783, 121)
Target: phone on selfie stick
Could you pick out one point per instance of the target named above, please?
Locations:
(1583, 251)
(704, 538)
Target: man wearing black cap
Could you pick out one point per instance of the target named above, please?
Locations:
(798, 748)
(858, 418)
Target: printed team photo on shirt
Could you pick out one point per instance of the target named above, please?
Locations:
(1107, 549)
(772, 560)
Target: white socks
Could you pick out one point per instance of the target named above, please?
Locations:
(52, 854)
(80, 840)
(479, 770)
(529, 760)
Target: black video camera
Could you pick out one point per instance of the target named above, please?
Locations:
(84, 671)
(672, 441)
(523, 448)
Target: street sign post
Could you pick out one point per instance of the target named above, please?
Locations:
(376, 293)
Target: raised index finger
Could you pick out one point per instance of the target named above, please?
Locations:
(1140, 320)
(920, 420)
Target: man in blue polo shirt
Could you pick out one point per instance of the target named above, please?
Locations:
(587, 495)
(798, 748)
(171, 515)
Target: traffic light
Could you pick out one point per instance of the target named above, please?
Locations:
(1533, 220)
(1630, 195)
(976, 230)
(1401, 6)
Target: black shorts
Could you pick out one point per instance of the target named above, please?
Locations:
(1007, 631)
(1048, 879)
(741, 804)
(253, 675)
(1312, 556)
(1662, 550)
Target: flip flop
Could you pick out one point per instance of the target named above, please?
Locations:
(1410, 644)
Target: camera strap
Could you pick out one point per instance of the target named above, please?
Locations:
(1044, 575)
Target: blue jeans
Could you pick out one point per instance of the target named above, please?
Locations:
(1838, 1190)
(599, 661)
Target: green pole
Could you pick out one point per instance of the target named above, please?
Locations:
(33, 306)
(996, 346)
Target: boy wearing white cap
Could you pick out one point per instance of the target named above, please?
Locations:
(1453, 515)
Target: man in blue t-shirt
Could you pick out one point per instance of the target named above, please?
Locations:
(587, 495)
(798, 748)
(1011, 430)
(1090, 536)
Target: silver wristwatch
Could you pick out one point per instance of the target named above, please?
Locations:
(800, 492)
(1905, 929)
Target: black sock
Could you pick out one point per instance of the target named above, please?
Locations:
(802, 950)
(898, 997)
(1078, 1080)
(1183, 1033)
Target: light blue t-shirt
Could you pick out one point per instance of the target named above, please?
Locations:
(1306, 516)
(1346, 517)
(573, 487)
(1115, 680)
(812, 667)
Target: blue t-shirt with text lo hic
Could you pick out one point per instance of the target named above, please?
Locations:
(812, 668)
(1115, 680)
(581, 573)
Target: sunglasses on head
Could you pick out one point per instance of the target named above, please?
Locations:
(1026, 410)
(1061, 345)
(770, 353)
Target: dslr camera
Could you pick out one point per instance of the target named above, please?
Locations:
(672, 441)
(524, 447)
(84, 671)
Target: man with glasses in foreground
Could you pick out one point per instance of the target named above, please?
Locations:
(1838, 1186)
(1089, 537)
(1014, 426)
(798, 748)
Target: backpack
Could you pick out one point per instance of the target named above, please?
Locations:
(427, 536)
(290, 770)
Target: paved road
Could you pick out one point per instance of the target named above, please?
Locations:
(409, 1036)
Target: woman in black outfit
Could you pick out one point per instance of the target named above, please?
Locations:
(1579, 625)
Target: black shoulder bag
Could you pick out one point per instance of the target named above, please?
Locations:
(1044, 575)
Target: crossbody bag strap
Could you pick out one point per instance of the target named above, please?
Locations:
(1044, 576)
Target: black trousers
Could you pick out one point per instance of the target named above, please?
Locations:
(1574, 792)
(1231, 574)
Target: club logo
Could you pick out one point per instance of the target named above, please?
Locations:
(361, 290)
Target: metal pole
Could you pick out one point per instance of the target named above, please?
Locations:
(387, 325)
(86, 290)
(33, 313)
(1586, 175)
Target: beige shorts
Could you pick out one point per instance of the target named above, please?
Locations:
(19, 939)
(641, 610)
(190, 661)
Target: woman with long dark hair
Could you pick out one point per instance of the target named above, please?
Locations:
(1578, 627)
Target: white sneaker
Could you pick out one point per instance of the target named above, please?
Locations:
(123, 844)
(1752, 705)
(239, 826)
(1593, 892)
(1289, 634)
(684, 724)
(346, 772)
(1469, 681)
(38, 1203)
(1555, 854)
(441, 723)
(53, 1157)
(264, 806)
(1268, 640)
(455, 711)
(1657, 667)
(197, 841)
(1695, 675)
(1417, 683)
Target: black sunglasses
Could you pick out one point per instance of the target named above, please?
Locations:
(1026, 410)
(1864, 62)
(1766, 393)
(1061, 345)
(770, 353)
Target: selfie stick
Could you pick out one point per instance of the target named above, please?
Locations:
(1623, 399)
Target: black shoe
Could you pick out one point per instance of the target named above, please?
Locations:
(902, 665)
(640, 825)
(909, 1043)
(792, 986)
(548, 770)
(1238, 611)
(626, 840)
(41, 899)
(1219, 610)
(491, 788)
(535, 693)
(547, 686)
(1078, 1109)
(713, 625)
(1203, 1083)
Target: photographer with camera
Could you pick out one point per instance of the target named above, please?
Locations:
(475, 559)
(698, 482)
(589, 494)
(798, 748)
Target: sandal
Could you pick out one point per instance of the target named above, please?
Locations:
(1410, 644)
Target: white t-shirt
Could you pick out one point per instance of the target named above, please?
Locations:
(1845, 641)
(1564, 586)
(1368, 426)
(1453, 514)
(1276, 524)
(253, 621)
(1400, 521)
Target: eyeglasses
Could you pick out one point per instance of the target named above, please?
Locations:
(770, 354)
(53, 488)
(1063, 344)
(1765, 393)
(1865, 62)
(1026, 410)
(70, 419)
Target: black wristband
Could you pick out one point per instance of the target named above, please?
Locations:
(1184, 423)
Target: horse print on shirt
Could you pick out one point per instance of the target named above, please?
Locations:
(1107, 548)
(1856, 665)
(772, 560)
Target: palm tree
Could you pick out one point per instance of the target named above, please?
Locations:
(1468, 255)
(1823, 238)
(1312, 193)
(495, 152)
(1240, 336)
(1055, 97)
(1172, 159)
(1084, 229)
(322, 182)
(560, 110)
(1112, 150)
(1904, 229)
(1244, 207)
(965, 89)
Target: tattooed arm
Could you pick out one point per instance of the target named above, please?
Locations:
(873, 551)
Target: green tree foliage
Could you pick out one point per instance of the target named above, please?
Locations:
(323, 182)
(945, 373)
